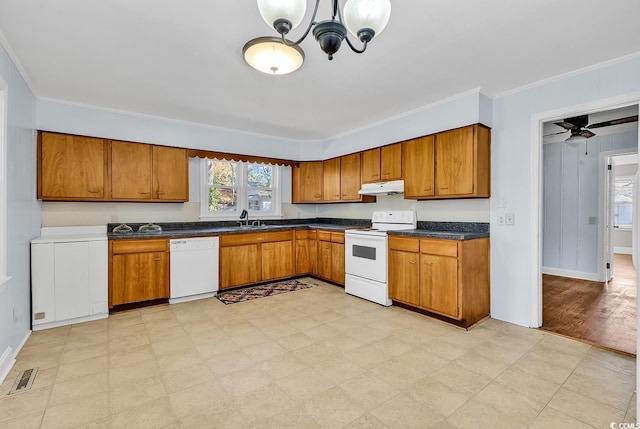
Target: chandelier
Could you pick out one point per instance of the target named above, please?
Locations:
(363, 18)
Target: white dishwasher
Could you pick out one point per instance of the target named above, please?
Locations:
(193, 268)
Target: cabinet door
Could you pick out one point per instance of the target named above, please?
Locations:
(337, 262)
(439, 284)
(391, 162)
(371, 165)
(71, 280)
(455, 162)
(307, 186)
(350, 173)
(71, 167)
(418, 168)
(313, 256)
(239, 265)
(403, 277)
(303, 262)
(331, 179)
(170, 174)
(130, 171)
(324, 259)
(139, 277)
(277, 260)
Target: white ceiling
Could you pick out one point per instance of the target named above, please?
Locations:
(183, 59)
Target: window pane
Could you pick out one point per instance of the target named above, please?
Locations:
(260, 200)
(259, 175)
(222, 173)
(623, 202)
(222, 199)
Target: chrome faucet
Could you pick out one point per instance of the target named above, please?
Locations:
(245, 215)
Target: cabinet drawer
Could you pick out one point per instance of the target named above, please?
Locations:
(306, 234)
(139, 246)
(255, 237)
(439, 247)
(324, 235)
(404, 244)
(337, 237)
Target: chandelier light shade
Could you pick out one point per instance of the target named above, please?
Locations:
(289, 10)
(270, 55)
(362, 15)
(363, 18)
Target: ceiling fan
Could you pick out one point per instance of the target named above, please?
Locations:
(580, 128)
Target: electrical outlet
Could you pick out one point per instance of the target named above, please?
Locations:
(501, 220)
(510, 218)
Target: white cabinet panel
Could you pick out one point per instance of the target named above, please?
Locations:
(72, 297)
(43, 291)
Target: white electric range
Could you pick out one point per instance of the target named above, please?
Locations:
(366, 259)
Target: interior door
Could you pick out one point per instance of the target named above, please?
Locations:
(609, 217)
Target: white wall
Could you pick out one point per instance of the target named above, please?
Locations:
(512, 270)
(23, 210)
(570, 204)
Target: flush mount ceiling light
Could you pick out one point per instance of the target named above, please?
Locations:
(363, 18)
(270, 55)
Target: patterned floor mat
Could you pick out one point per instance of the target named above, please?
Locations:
(254, 292)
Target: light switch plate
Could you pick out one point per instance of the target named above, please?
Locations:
(510, 218)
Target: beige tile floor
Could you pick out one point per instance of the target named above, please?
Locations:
(307, 359)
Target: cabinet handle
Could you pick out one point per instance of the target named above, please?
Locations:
(93, 191)
(160, 193)
(157, 259)
(443, 187)
(143, 193)
(260, 238)
(428, 263)
(412, 262)
(375, 175)
(344, 195)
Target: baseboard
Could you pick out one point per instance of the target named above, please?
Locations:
(7, 360)
(571, 274)
(623, 250)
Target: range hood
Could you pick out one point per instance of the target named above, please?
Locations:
(383, 188)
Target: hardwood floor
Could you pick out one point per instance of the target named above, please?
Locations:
(603, 314)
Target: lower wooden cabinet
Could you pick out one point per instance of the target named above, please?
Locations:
(445, 277)
(331, 256)
(306, 252)
(254, 257)
(138, 271)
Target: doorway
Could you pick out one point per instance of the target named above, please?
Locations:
(583, 295)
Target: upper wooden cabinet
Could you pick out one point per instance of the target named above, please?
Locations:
(418, 168)
(371, 165)
(170, 174)
(71, 167)
(451, 164)
(382, 164)
(331, 179)
(307, 182)
(76, 168)
(130, 170)
(350, 177)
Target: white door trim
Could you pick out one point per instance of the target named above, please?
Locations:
(536, 185)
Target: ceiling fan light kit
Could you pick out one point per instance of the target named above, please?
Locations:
(580, 130)
(362, 18)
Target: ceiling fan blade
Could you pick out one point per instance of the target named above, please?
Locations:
(555, 134)
(586, 134)
(564, 124)
(614, 122)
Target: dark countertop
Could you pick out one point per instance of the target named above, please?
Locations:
(448, 235)
(443, 230)
(207, 232)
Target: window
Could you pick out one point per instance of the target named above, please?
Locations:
(623, 202)
(230, 187)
